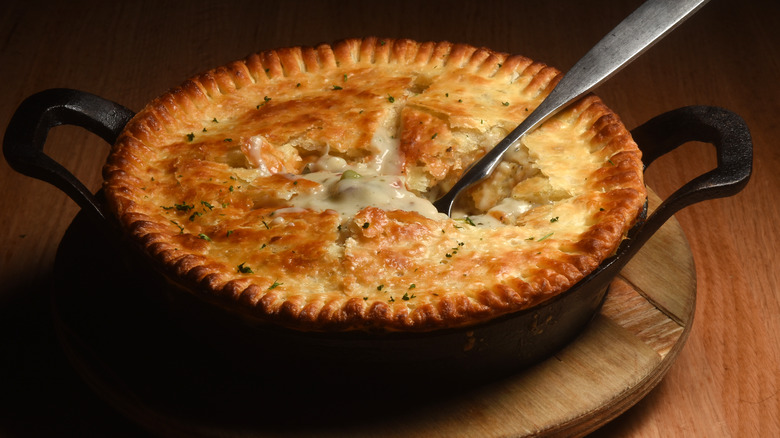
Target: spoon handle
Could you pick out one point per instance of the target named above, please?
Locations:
(635, 34)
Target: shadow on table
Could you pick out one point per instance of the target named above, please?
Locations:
(41, 395)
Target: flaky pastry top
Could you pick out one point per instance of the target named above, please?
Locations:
(295, 186)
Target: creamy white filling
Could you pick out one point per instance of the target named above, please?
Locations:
(509, 208)
(348, 188)
(253, 152)
(349, 191)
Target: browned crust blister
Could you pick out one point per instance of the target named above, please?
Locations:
(382, 270)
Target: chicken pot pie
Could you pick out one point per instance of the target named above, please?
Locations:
(294, 187)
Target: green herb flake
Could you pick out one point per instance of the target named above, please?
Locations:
(229, 232)
(555, 219)
(181, 229)
(380, 287)
(408, 297)
(366, 224)
(275, 285)
(467, 220)
(505, 103)
(204, 237)
(227, 140)
(242, 268)
(412, 286)
(545, 236)
(215, 120)
(390, 99)
(267, 227)
(434, 135)
(336, 87)
(190, 136)
(207, 205)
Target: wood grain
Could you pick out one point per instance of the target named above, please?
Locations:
(724, 382)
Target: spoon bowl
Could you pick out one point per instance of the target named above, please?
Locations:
(635, 34)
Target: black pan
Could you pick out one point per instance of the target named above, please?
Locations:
(493, 348)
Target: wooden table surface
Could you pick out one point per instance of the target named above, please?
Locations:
(726, 381)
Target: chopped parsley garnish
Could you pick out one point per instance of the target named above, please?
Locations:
(336, 87)
(181, 229)
(266, 99)
(366, 224)
(390, 99)
(242, 268)
(190, 136)
(380, 287)
(180, 207)
(434, 135)
(204, 237)
(275, 285)
(207, 205)
(407, 297)
(505, 103)
(545, 236)
(468, 221)
(555, 219)
(412, 286)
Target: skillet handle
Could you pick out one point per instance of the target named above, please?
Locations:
(725, 130)
(30, 125)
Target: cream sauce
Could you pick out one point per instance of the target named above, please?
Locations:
(348, 194)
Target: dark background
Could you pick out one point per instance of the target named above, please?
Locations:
(129, 52)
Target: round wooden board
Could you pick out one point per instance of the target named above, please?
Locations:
(139, 362)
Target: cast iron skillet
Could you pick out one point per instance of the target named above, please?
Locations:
(498, 346)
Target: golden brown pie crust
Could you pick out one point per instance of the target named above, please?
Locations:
(205, 179)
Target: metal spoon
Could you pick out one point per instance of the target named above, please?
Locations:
(635, 34)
